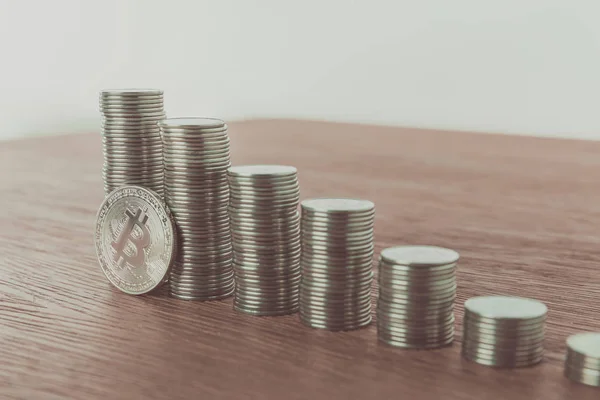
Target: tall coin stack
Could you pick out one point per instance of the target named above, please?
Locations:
(196, 157)
(417, 289)
(131, 138)
(506, 332)
(265, 228)
(583, 358)
(336, 263)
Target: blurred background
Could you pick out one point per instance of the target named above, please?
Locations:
(511, 66)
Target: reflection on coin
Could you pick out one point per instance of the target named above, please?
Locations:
(135, 239)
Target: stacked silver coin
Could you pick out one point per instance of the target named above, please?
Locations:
(265, 228)
(131, 138)
(417, 288)
(503, 331)
(583, 358)
(196, 158)
(336, 263)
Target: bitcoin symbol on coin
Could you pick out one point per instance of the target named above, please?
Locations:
(136, 260)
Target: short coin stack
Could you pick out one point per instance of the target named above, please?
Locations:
(336, 263)
(131, 138)
(265, 228)
(503, 331)
(583, 358)
(417, 288)
(196, 157)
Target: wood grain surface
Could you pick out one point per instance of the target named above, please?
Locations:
(523, 213)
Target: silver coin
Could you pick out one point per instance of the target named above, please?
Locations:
(202, 295)
(186, 138)
(107, 110)
(266, 272)
(220, 296)
(130, 119)
(417, 314)
(586, 344)
(520, 351)
(317, 305)
(503, 340)
(506, 308)
(503, 331)
(278, 222)
(501, 356)
(118, 113)
(583, 351)
(434, 343)
(264, 188)
(267, 282)
(265, 313)
(198, 158)
(253, 171)
(131, 92)
(503, 359)
(124, 127)
(335, 316)
(333, 206)
(341, 324)
(419, 256)
(502, 363)
(583, 376)
(198, 284)
(192, 122)
(191, 134)
(135, 239)
(437, 333)
(112, 101)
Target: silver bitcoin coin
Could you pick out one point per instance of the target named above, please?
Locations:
(135, 239)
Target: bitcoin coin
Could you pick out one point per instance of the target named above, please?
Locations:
(135, 239)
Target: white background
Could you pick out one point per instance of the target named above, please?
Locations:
(512, 66)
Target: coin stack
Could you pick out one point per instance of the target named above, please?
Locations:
(417, 288)
(196, 158)
(265, 228)
(131, 138)
(583, 358)
(336, 263)
(503, 331)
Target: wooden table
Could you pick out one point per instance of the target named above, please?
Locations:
(523, 212)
